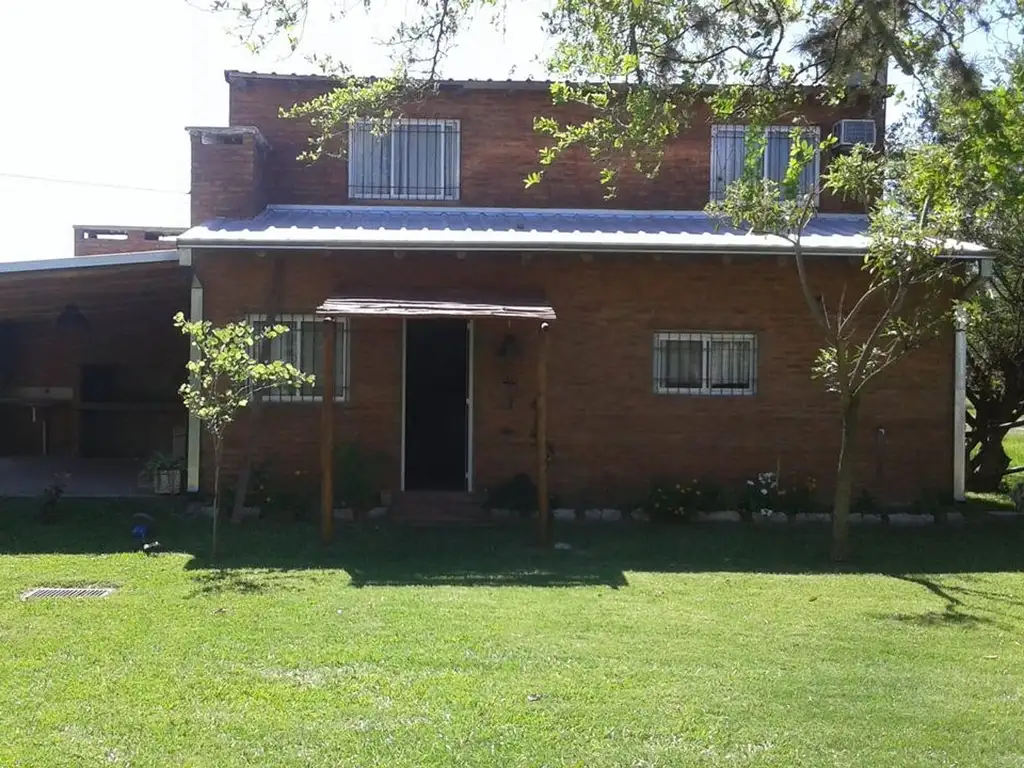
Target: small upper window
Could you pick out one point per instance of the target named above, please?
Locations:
(409, 160)
(729, 156)
(705, 363)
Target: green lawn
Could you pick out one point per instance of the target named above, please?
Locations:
(1013, 444)
(641, 646)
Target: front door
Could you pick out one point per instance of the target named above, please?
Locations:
(436, 404)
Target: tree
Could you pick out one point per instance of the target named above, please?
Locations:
(905, 295)
(983, 135)
(223, 379)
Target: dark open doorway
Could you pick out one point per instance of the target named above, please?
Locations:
(436, 404)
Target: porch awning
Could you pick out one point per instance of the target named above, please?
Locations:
(439, 305)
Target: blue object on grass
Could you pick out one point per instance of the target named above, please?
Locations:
(140, 532)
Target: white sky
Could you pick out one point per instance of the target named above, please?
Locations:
(98, 92)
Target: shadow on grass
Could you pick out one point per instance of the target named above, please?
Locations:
(222, 581)
(954, 613)
(495, 556)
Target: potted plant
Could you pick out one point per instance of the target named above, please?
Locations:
(165, 472)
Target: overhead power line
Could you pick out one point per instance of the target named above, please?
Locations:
(78, 182)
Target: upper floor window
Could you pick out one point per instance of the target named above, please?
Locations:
(410, 160)
(729, 156)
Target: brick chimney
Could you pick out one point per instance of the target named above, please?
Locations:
(91, 240)
(227, 172)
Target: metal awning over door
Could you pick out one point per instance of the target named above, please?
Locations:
(438, 305)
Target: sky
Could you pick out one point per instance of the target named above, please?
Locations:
(96, 95)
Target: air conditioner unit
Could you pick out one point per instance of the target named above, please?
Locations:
(851, 132)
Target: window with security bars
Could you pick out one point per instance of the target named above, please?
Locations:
(729, 156)
(408, 160)
(705, 363)
(303, 347)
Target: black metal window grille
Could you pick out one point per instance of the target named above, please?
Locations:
(729, 149)
(705, 363)
(303, 347)
(409, 160)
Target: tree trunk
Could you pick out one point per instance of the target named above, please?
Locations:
(217, 447)
(991, 462)
(844, 482)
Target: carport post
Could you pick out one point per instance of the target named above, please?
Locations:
(543, 499)
(327, 434)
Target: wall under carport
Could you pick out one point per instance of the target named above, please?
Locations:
(90, 361)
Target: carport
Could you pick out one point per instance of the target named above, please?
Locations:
(90, 364)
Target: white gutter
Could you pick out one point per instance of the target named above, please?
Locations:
(195, 427)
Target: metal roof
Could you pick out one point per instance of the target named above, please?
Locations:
(520, 229)
(528, 83)
(87, 262)
(439, 304)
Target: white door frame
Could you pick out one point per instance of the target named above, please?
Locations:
(470, 365)
(471, 336)
(405, 345)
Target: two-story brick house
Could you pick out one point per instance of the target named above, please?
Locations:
(673, 348)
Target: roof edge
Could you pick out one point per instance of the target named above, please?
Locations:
(232, 76)
(831, 216)
(88, 262)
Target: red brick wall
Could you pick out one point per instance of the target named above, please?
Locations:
(610, 432)
(499, 148)
(227, 179)
(91, 240)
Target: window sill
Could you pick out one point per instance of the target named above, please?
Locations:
(699, 392)
(302, 399)
(422, 198)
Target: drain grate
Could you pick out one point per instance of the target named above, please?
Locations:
(40, 593)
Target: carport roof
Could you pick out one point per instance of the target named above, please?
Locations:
(85, 262)
(145, 281)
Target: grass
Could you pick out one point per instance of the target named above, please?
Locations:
(641, 646)
(1013, 444)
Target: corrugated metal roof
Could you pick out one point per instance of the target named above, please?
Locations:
(440, 304)
(416, 227)
(527, 83)
(521, 229)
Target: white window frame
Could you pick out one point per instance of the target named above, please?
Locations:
(662, 338)
(342, 354)
(359, 127)
(813, 130)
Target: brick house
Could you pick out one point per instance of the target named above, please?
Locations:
(672, 348)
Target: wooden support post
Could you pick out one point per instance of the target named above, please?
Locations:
(327, 434)
(543, 498)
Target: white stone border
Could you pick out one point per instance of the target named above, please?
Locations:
(640, 515)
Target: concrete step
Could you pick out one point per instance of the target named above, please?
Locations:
(430, 507)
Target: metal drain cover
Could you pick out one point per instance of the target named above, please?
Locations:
(40, 593)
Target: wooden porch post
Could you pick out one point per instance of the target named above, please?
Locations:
(327, 433)
(543, 503)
